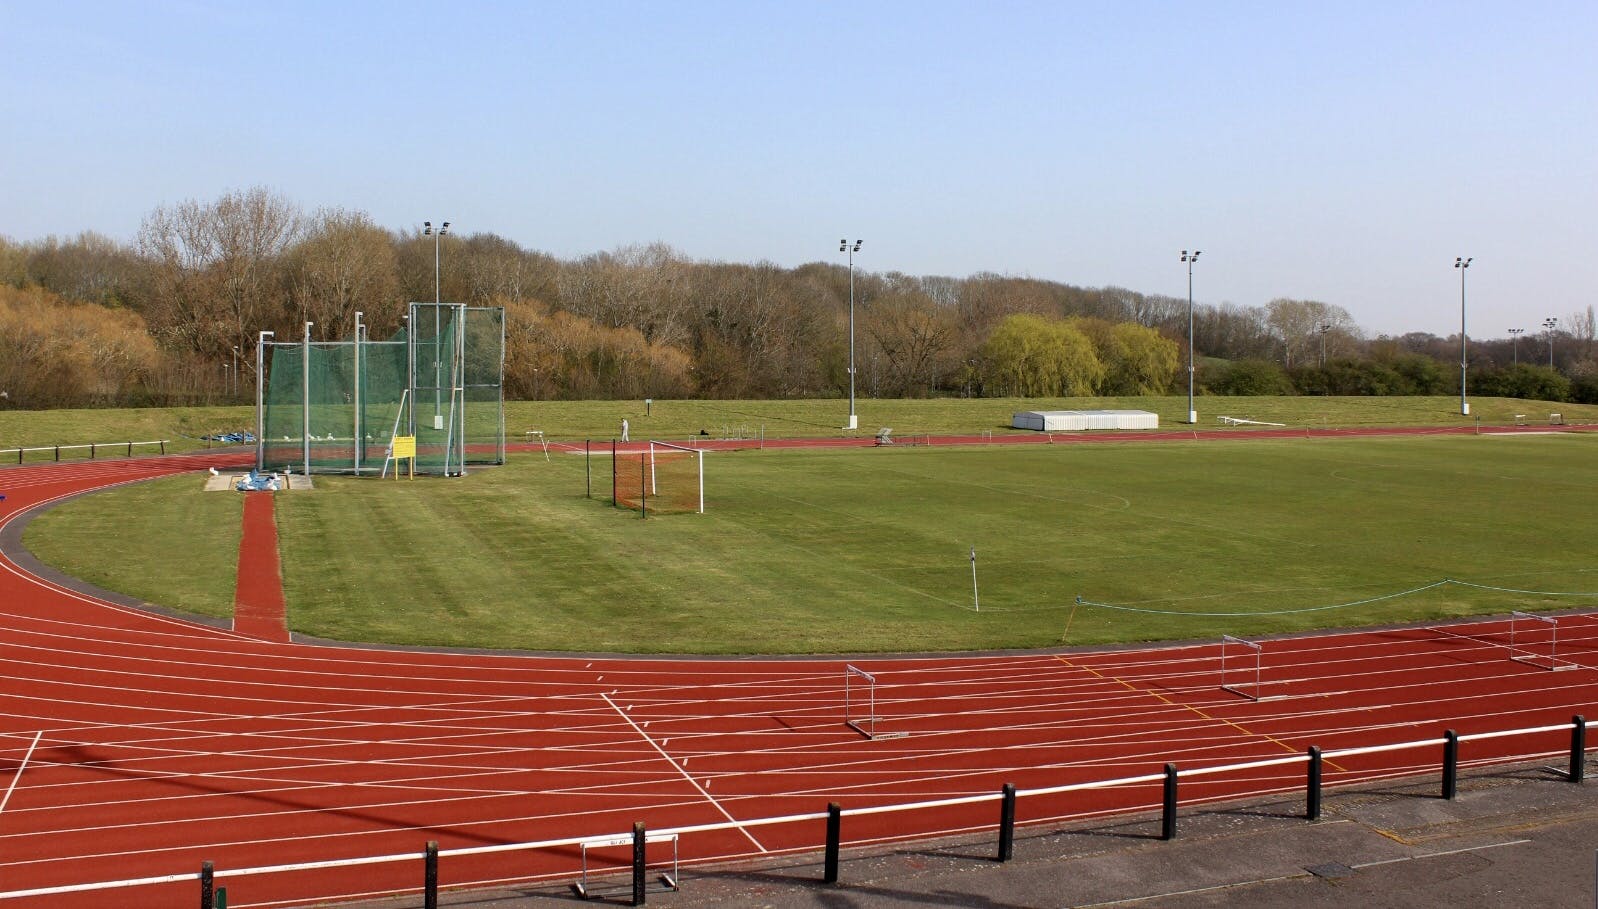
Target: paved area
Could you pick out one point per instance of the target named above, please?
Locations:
(1517, 837)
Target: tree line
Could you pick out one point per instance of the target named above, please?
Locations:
(172, 316)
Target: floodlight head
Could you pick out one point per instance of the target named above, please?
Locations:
(444, 229)
(843, 246)
(857, 245)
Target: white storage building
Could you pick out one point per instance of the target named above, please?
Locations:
(1079, 420)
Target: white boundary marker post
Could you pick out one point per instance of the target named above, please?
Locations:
(976, 599)
(1523, 653)
(867, 727)
(1238, 690)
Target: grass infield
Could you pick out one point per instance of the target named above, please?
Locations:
(869, 549)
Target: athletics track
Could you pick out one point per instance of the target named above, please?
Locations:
(134, 744)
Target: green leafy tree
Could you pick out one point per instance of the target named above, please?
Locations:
(1031, 356)
(1251, 377)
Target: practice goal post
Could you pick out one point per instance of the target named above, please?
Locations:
(661, 477)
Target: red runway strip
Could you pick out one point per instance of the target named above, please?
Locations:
(258, 607)
(164, 743)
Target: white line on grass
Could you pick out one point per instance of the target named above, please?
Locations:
(678, 767)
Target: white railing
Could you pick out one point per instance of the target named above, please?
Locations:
(93, 448)
(834, 814)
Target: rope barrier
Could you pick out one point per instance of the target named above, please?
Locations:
(1377, 599)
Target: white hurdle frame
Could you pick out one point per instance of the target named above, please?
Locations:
(581, 888)
(869, 730)
(1238, 689)
(699, 462)
(1523, 654)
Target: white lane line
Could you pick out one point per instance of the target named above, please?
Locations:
(679, 768)
(20, 767)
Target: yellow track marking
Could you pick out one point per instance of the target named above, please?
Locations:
(1214, 719)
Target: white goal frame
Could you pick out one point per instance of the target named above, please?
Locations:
(699, 467)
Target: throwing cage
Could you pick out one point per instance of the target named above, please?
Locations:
(335, 407)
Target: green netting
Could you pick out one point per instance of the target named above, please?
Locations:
(440, 381)
(483, 392)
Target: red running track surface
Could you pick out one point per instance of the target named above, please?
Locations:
(162, 743)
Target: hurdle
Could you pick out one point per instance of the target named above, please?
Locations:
(1251, 649)
(583, 890)
(860, 704)
(1528, 632)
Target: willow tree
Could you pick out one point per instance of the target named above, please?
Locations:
(1032, 356)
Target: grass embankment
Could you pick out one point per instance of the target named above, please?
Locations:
(576, 420)
(868, 550)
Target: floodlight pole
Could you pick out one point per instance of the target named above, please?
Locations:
(235, 372)
(305, 400)
(438, 300)
(360, 439)
(845, 247)
(1514, 343)
(1550, 324)
(1323, 328)
(1462, 263)
(1190, 258)
(260, 400)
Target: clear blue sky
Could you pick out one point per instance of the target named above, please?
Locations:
(1339, 152)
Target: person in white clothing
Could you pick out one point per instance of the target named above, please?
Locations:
(624, 430)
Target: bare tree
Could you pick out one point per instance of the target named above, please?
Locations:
(215, 273)
(915, 338)
(1296, 325)
(1583, 331)
(345, 264)
(89, 268)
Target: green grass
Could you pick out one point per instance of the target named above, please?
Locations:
(576, 420)
(162, 541)
(682, 419)
(181, 426)
(868, 550)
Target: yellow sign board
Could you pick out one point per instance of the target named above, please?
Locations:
(404, 447)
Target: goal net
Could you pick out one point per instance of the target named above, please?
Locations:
(661, 478)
